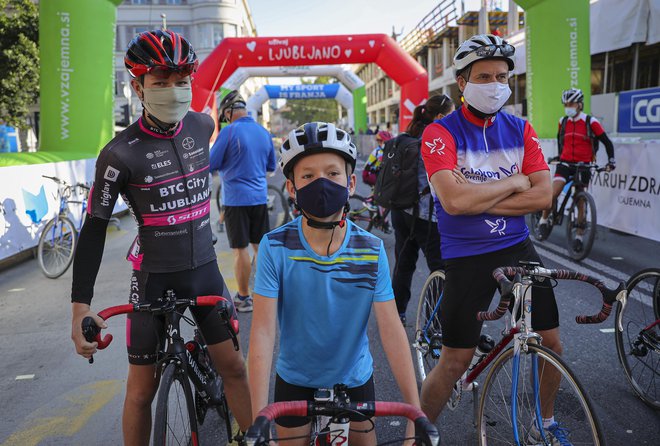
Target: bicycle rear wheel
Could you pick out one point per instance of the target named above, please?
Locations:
(638, 346)
(360, 213)
(522, 376)
(583, 203)
(428, 333)
(57, 245)
(278, 207)
(175, 422)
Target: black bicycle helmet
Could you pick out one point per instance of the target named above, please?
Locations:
(160, 52)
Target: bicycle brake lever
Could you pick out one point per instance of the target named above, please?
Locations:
(622, 297)
(232, 324)
(90, 330)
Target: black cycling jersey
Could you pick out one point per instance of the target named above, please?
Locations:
(164, 180)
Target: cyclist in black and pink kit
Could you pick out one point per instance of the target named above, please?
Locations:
(160, 167)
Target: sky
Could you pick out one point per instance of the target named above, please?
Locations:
(310, 17)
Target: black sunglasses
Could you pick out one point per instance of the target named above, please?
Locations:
(506, 50)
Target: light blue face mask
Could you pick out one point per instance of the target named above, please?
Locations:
(169, 104)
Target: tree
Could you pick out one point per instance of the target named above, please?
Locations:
(301, 111)
(19, 60)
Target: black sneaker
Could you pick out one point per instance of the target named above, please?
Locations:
(577, 245)
(402, 316)
(543, 230)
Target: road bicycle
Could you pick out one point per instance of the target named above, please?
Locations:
(581, 213)
(331, 412)
(179, 415)
(637, 331)
(366, 214)
(58, 240)
(513, 402)
(278, 206)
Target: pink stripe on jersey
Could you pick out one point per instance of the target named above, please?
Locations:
(157, 135)
(169, 180)
(177, 218)
(190, 208)
(128, 332)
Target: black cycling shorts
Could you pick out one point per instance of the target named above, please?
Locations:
(567, 173)
(470, 287)
(145, 332)
(246, 224)
(290, 392)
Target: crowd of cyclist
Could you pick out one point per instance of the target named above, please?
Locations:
(320, 277)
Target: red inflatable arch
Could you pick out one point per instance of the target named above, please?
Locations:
(235, 52)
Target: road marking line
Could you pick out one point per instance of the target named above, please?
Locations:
(606, 330)
(66, 415)
(24, 377)
(570, 264)
(15, 290)
(617, 258)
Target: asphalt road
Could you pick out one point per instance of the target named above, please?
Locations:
(51, 396)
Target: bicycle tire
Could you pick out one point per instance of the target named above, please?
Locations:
(426, 308)
(359, 213)
(590, 225)
(572, 407)
(638, 345)
(56, 247)
(175, 421)
(218, 197)
(278, 207)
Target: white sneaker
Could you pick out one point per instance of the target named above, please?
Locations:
(243, 304)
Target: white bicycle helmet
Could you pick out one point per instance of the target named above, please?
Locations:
(316, 137)
(483, 46)
(572, 95)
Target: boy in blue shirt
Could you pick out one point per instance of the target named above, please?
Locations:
(321, 275)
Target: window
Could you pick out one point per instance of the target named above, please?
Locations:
(177, 29)
(139, 2)
(139, 29)
(230, 30)
(217, 34)
(174, 2)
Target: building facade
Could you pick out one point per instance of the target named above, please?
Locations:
(204, 22)
(435, 39)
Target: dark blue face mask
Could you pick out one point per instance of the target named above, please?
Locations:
(322, 198)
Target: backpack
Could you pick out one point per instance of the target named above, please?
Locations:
(590, 135)
(396, 185)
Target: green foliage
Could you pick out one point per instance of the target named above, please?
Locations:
(19, 60)
(308, 110)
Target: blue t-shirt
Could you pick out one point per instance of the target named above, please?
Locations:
(243, 153)
(323, 303)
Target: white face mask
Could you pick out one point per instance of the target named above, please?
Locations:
(487, 98)
(169, 104)
(570, 111)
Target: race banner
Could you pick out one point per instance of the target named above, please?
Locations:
(628, 198)
(558, 58)
(76, 74)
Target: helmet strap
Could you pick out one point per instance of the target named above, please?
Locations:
(163, 126)
(316, 224)
(479, 114)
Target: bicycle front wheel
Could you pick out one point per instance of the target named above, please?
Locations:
(522, 389)
(57, 246)
(360, 213)
(428, 333)
(175, 422)
(638, 345)
(278, 207)
(581, 222)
